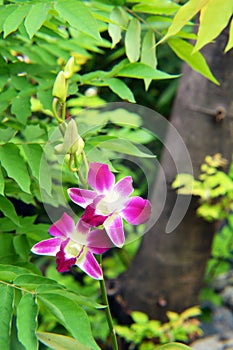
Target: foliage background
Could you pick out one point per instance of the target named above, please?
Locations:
(144, 41)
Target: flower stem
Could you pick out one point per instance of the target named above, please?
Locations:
(108, 312)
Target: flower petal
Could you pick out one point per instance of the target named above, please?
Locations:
(89, 265)
(81, 197)
(63, 227)
(91, 218)
(47, 247)
(100, 177)
(137, 211)
(114, 228)
(98, 241)
(124, 186)
(64, 264)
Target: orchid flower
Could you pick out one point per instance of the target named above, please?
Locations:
(109, 202)
(74, 245)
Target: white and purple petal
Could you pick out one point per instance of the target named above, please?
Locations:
(98, 241)
(63, 227)
(124, 187)
(100, 177)
(114, 228)
(137, 211)
(81, 197)
(89, 265)
(49, 246)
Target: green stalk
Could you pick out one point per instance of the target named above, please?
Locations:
(108, 312)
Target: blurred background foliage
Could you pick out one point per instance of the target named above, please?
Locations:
(116, 58)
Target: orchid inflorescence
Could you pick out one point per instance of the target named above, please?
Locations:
(100, 227)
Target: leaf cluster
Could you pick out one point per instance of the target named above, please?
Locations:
(25, 294)
(180, 327)
(214, 187)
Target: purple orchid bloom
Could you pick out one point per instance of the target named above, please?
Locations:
(74, 245)
(110, 202)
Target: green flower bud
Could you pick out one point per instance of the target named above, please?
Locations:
(73, 142)
(69, 68)
(60, 87)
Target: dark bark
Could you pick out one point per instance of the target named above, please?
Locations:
(167, 272)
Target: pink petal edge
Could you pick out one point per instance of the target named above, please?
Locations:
(137, 211)
(100, 177)
(81, 197)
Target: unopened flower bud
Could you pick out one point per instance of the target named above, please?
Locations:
(73, 142)
(69, 68)
(60, 87)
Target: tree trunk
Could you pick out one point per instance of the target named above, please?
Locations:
(167, 272)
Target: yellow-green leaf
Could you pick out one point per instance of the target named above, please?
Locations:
(7, 208)
(120, 17)
(6, 311)
(214, 18)
(78, 15)
(230, 40)
(60, 342)
(35, 18)
(133, 40)
(185, 13)
(120, 88)
(15, 166)
(148, 55)
(140, 70)
(13, 21)
(196, 61)
(162, 7)
(174, 346)
(2, 182)
(27, 311)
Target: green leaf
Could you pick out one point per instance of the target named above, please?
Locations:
(8, 209)
(4, 13)
(160, 7)
(6, 134)
(2, 184)
(174, 346)
(120, 88)
(196, 61)
(230, 40)
(21, 246)
(121, 116)
(21, 113)
(71, 316)
(33, 153)
(35, 18)
(122, 146)
(60, 342)
(26, 321)
(30, 281)
(15, 166)
(45, 179)
(9, 272)
(139, 70)
(33, 132)
(78, 16)
(13, 21)
(213, 19)
(6, 311)
(185, 13)
(121, 18)
(133, 40)
(148, 55)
